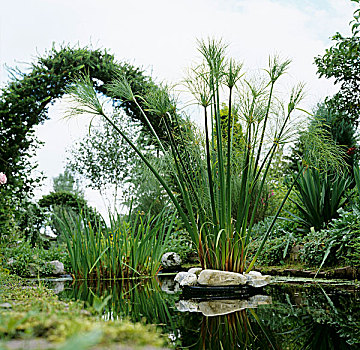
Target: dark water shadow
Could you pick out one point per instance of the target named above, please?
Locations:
(283, 317)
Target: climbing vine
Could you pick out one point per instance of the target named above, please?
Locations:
(24, 103)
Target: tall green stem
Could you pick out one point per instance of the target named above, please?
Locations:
(208, 161)
(228, 172)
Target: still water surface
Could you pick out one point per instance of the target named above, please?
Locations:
(282, 315)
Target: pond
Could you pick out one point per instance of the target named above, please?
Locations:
(288, 314)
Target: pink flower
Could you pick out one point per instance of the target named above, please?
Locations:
(3, 179)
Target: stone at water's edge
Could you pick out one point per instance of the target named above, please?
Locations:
(216, 278)
(5, 306)
(171, 261)
(189, 280)
(256, 279)
(259, 282)
(195, 270)
(221, 278)
(255, 274)
(180, 276)
(58, 267)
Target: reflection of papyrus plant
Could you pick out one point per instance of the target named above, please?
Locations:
(201, 175)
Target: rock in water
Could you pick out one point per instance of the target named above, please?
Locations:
(259, 299)
(171, 261)
(195, 270)
(189, 280)
(5, 306)
(255, 273)
(58, 267)
(221, 278)
(180, 276)
(256, 279)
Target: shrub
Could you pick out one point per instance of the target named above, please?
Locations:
(180, 243)
(24, 260)
(277, 248)
(314, 248)
(339, 244)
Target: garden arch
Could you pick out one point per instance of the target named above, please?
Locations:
(24, 101)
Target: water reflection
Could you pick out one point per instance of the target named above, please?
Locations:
(238, 330)
(283, 317)
(140, 300)
(313, 317)
(223, 306)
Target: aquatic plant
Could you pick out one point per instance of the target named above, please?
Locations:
(202, 173)
(124, 248)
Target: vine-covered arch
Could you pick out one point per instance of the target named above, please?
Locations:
(24, 101)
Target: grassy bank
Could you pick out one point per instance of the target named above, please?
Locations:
(29, 312)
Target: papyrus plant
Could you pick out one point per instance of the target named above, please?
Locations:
(202, 172)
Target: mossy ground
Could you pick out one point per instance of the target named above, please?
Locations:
(33, 311)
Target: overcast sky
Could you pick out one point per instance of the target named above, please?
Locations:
(160, 36)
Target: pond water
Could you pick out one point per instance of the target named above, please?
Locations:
(284, 315)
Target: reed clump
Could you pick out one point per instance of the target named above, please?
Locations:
(130, 246)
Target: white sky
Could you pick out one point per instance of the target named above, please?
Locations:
(160, 36)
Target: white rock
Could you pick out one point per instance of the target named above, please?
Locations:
(220, 278)
(58, 267)
(171, 260)
(6, 306)
(252, 275)
(257, 280)
(189, 280)
(195, 270)
(255, 273)
(180, 276)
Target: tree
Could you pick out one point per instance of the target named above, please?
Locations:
(102, 157)
(339, 114)
(341, 61)
(66, 182)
